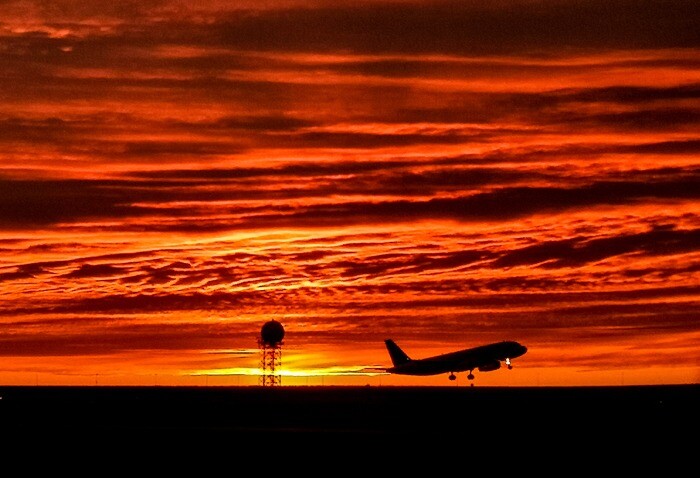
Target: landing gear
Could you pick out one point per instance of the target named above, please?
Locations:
(471, 375)
(452, 376)
(510, 366)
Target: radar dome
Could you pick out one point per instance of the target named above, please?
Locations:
(272, 333)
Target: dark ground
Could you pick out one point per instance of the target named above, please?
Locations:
(472, 420)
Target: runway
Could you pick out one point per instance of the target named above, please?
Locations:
(350, 430)
(628, 411)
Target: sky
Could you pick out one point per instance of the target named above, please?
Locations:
(175, 174)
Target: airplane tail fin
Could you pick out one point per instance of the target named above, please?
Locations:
(398, 356)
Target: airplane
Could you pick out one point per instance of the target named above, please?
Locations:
(484, 358)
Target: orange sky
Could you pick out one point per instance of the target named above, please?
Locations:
(444, 173)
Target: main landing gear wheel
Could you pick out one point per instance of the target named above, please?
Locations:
(470, 376)
(452, 377)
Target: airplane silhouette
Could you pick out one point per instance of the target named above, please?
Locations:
(484, 358)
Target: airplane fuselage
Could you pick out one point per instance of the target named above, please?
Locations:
(485, 357)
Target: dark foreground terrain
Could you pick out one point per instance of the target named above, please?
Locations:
(474, 420)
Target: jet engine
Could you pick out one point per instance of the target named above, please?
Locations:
(495, 365)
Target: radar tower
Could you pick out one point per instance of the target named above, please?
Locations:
(270, 343)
